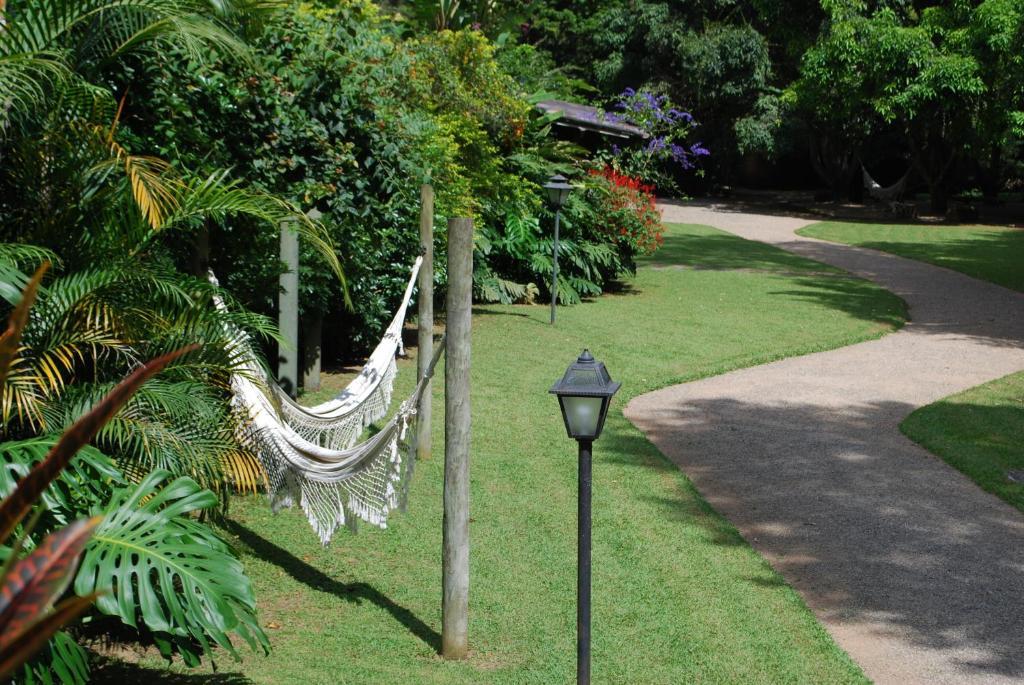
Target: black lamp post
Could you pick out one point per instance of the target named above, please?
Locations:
(558, 192)
(584, 394)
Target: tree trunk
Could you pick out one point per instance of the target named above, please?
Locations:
(933, 159)
(855, 185)
(938, 199)
(201, 252)
(992, 175)
(833, 165)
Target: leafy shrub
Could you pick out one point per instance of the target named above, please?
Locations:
(628, 213)
(666, 151)
(170, 575)
(457, 71)
(535, 70)
(347, 117)
(343, 116)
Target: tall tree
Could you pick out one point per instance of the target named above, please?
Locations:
(996, 38)
(913, 71)
(832, 95)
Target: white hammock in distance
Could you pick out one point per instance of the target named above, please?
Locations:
(333, 487)
(885, 194)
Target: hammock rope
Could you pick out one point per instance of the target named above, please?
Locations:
(310, 455)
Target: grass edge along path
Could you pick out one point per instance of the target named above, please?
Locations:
(679, 596)
(989, 253)
(980, 431)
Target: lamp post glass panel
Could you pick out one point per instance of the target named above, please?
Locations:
(558, 192)
(584, 394)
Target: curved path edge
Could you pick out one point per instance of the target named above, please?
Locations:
(916, 572)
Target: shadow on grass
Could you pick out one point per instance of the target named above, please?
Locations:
(771, 582)
(857, 298)
(630, 448)
(818, 282)
(317, 580)
(990, 254)
(111, 672)
(721, 251)
(492, 310)
(984, 442)
(941, 302)
(622, 287)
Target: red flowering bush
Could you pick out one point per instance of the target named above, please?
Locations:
(627, 212)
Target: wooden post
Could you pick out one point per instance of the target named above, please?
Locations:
(288, 312)
(425, 342)
(455, 546)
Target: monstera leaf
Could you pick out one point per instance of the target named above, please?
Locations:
(168, 571)
(30, 585)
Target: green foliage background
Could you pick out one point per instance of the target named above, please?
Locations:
(934, 87)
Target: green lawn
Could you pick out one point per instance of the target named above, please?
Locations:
(979, 431)
(678, 595)
(990, 253)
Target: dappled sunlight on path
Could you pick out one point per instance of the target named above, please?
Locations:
(916, 571)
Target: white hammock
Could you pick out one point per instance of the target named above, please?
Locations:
(885, 194)
(338, 423)
(333, 487)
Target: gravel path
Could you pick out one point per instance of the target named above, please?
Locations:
(916, 572)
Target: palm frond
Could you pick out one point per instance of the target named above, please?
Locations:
(48, 24)
(218, 197)
(22, 256)
(22, 397)
(153, 189)
(182, 427)
(62, 661)
(82, 486)
(44, 42)
(26, 80)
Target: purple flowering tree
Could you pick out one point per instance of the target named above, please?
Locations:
(666, 149)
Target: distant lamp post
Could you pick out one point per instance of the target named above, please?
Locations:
(584, 394)
(558, 192)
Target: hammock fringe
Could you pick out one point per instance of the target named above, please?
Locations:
(310, 455)
(333, 488)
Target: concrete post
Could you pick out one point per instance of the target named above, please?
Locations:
(288, 312)
(312, 338)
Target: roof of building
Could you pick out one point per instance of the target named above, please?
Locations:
(587, 118)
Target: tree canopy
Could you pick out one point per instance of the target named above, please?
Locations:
(841, 83)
